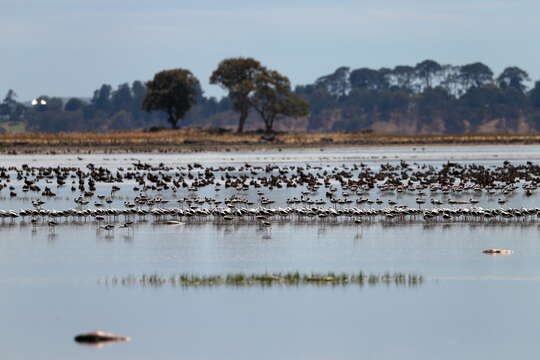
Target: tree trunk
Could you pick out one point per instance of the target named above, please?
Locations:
(242, 121)
(173, 121)
(268, 125)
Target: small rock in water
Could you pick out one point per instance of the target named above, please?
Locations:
(174, 222)
(99, 337)
(497, 251)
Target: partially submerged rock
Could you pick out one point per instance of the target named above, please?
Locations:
(99, 337)
(173, 222)
(497, 251)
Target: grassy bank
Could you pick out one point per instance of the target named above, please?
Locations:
(198, 140)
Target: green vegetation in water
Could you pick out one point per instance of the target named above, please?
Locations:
(267, 280)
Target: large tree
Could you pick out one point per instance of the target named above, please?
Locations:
(122, 98)
(74, 104)
(172, 91)
(475, 74)
(138, 89)
(237, 76)
(273, 98)
(403, 76)
(427, 71)
(102, 98)
(450, 79)
(513, 77)
(366, 78)
(535, 95)
(337, 84)
(11, 108)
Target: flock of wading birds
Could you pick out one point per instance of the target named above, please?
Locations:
(450, 192)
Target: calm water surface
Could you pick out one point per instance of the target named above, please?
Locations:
(470, 306)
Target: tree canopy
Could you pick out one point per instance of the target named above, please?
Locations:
(475, 74)
(172, 91)
(273, 98)
(513, 77)
(427, 71)
(535, 95)
(336, 84)
(237, 75)
(10, 108)
(365, 78)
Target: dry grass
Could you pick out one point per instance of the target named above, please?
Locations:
(195, 139)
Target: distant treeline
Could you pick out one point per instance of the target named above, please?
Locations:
(428, 98)
(108, 109)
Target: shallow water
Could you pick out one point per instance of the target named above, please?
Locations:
(298, 155)
(470, 306)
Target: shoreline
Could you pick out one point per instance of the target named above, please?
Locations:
(194, 141)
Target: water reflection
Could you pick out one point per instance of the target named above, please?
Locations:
(230, 229)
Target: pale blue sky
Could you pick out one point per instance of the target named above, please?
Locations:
(71, 47)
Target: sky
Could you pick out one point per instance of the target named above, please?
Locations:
(70, 47)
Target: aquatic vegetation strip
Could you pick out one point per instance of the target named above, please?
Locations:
(267, 279)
